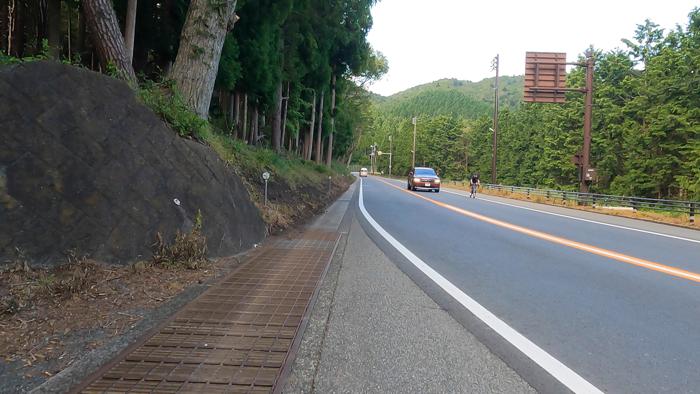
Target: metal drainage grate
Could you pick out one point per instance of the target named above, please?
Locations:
(236, 336)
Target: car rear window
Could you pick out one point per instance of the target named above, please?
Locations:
(425, 172)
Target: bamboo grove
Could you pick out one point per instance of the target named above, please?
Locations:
(646, 125)
(285, 74)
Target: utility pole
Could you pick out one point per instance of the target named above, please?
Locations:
(413, 161)
(466, 157)
(495, 66)
(390, 155)
(586, 178)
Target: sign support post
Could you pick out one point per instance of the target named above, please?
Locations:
(586, 176)
(494, 153)
(266, 177)
(545, 82)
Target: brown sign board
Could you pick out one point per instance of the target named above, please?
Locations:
(545, 77)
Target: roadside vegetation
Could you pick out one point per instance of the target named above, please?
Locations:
(279, 95)
(284, 75)
(297, 187)
(282, 87)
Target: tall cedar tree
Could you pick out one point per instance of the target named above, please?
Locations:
(201, 41)
(107, 37)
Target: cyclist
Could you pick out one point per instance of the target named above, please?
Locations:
(474, 183)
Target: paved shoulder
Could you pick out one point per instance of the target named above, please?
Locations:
(384, 334)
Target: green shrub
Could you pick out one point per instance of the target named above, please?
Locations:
(167, 103)
(43, 55)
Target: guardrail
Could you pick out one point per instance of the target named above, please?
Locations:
(605, 200)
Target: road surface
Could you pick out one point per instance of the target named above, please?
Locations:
(611, 306)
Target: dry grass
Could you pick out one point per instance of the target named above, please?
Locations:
(26, 286)
(297, 205)
(50, 311)
(277, 217)
(189, 250)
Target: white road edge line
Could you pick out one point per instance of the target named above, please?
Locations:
(579, 219)
(583, 220)
(550, 364)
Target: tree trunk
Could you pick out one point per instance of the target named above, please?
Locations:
(107, 38)
(130, 29)
(237, 117)
(307, 145)
(256, 125)
(284, 117)
(309, 142)
(244, 137)
(32, 20)
(323, 146)
(231, 112)
(253, 124)
(4, 25)
(277, 120)
(201, 41)
(319, 131)
(70, 27)
(16, 39)
(224, 105)
(79, 40)
(354, 146)
(296, 142)
(329, 152)
(11, 25)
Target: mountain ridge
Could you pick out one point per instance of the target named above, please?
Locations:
(451, 96)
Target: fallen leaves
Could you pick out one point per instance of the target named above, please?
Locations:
(55, 331)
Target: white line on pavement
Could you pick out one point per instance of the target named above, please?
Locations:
(580, 219)
(550, 364)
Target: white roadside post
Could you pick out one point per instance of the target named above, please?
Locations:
(266, 177)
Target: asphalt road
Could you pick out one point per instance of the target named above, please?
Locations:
(620, 308)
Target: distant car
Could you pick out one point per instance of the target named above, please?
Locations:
(423, 178)
(363, 172)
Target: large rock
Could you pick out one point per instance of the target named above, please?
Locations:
(85, 166)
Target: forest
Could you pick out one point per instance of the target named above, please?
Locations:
(646, 124)
(292, 76)
(282, 74)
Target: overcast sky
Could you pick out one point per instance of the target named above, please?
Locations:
(429, 40)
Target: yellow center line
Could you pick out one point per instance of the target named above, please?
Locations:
(695, 277)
